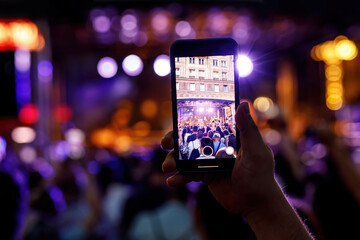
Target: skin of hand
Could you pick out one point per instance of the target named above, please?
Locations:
(251, 183)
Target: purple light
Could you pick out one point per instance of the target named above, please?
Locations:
(183, 28)
(129, 22)
(22, 60)
(141, 39)
(93, 167)
(45, 71)
(160, 22)
(58, 198)
(132, 65)
(45, 169)
(107, 67)
(2, 148)
(162, 65)
(101, 24)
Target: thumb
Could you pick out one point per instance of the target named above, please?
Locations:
(250, 137)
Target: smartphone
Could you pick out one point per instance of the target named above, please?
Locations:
(205, 95)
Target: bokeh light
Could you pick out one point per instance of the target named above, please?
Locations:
(244, 65)
(107, 67)
(160, 22)
(103, 137)
(263, 104)
(122, 144)
(183, 29)
(149, 108)
(2, 148)
(45, 70)
(29, 114)
(22, 60)
(23, 135)
(75, 136)
(346, 49)
(27, 154)
(129, 22)
(101, 24)
(142, 129)
(24, 34)
(132, 65)
(62, 113)
(162, 65)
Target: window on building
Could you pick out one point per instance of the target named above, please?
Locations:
(224, 75)
(215, 74)
(202, 87)
(192, 86)
(215, 62)
(216, 88)
(201, 61)
(177, 59)
(201, 74)
(177, 86)
(177, 71)
(192, 72)
(192, 60)
(223, 63)
(225, 88)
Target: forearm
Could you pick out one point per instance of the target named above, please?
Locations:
(277, 220)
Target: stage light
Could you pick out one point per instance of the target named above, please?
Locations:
(211, 110)
(101, 24)
(103, 137)
(162, 65)
(333, 72)
(346, 49)
(183, 28)
(132, 65)
(23, 135)
(201, 109)
(123, 144)
(4, 35)
(107, 67)
(244, 65)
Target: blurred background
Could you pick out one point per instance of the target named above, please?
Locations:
(85, 100)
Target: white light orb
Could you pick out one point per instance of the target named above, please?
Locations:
(162, 65)
(244, 65)
(23, 135)
(132, 65)
(107, 67)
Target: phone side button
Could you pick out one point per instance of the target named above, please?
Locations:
(212, 166)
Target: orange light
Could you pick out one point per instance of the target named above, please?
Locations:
(149, 108)
(4, 36)
(141, 129)
(103, 137)
(20, 34)
(24, 34)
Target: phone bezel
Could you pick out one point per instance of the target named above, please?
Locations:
(192, 48)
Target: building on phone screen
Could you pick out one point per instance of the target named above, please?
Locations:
(205, 89)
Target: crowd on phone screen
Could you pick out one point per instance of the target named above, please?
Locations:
(206, 142)
(106, 196)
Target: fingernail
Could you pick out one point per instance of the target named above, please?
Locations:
(245, 107)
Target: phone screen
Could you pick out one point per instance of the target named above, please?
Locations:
(205, 101)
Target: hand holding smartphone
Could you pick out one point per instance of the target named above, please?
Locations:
(205, 95)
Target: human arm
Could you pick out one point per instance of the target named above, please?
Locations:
(251, 189)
